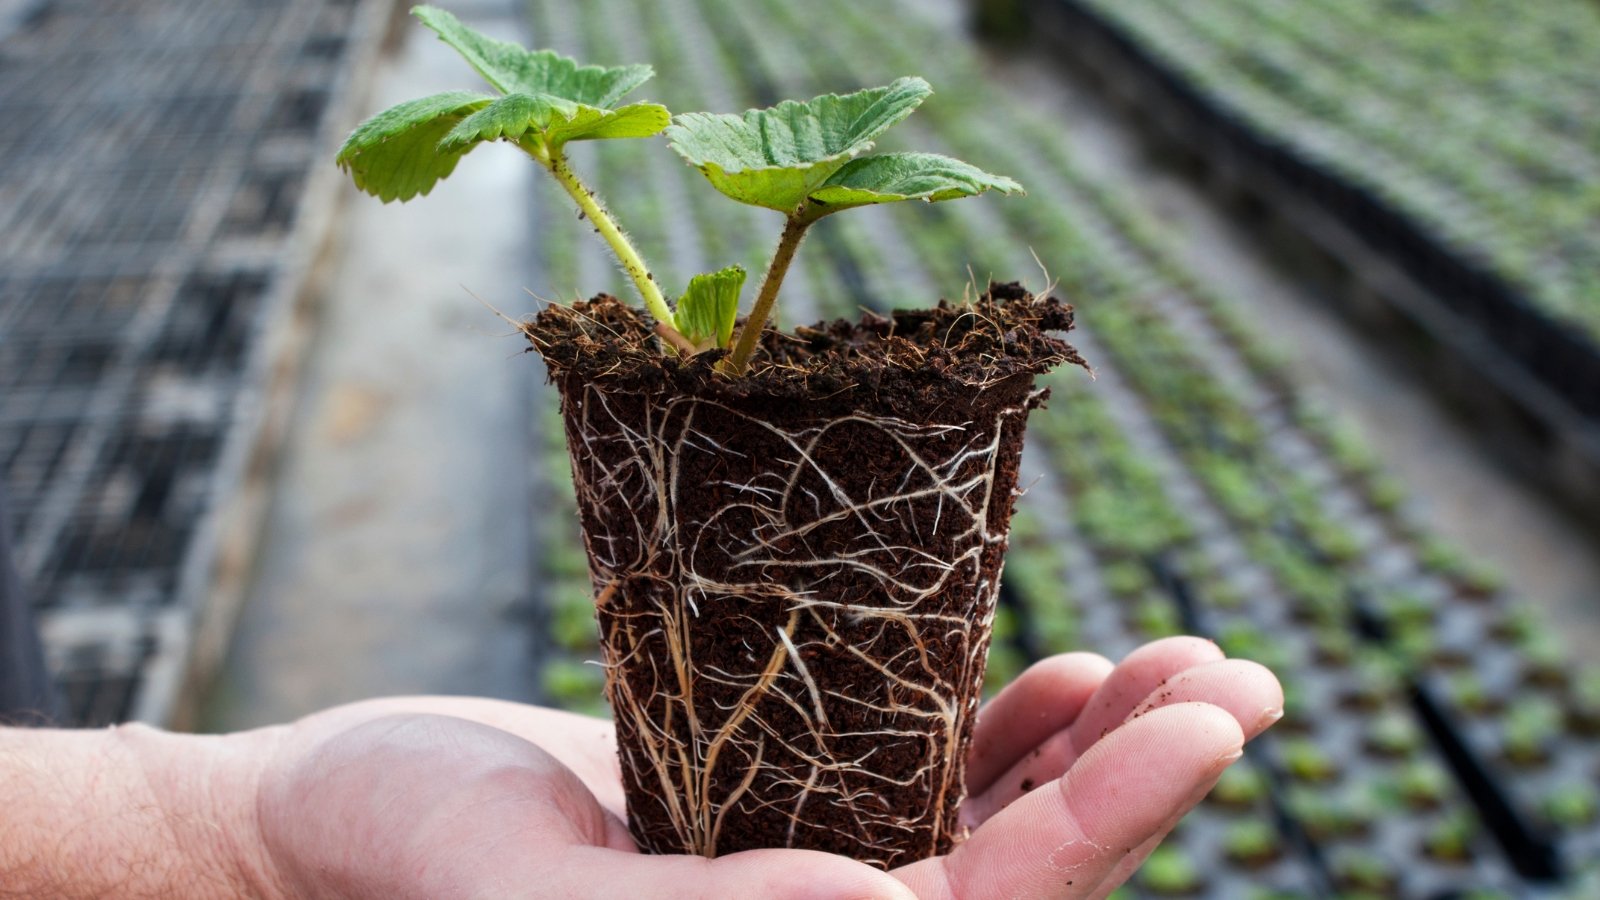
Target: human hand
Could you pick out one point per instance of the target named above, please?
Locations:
(1077, 770)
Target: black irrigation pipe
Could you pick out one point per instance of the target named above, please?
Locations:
(1530, 849)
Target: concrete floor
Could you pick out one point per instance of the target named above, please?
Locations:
(398, 548)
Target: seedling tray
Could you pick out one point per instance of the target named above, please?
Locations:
(158, 235)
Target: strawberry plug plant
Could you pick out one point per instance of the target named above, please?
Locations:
(794, 541)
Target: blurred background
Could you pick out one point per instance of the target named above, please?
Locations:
(1337, 266)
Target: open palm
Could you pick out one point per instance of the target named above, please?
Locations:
(1078, 769)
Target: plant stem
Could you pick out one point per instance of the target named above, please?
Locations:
(556, 161)
(794, 229)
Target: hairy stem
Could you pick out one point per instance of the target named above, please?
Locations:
(794, 230)
(555, 160)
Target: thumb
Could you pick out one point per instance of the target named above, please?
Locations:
(1066, 837)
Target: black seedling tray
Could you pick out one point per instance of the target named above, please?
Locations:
(157, 172)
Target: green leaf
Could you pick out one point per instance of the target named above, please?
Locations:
(707, 309)
(517, 70)
(776, 157)
(554, 121)
(395, 155)
(893, 177)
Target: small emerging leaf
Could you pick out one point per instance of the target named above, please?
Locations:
(893, 177)
(395, 155)
(776, 157)
(517, 70)
(706, 312)
(554, 121)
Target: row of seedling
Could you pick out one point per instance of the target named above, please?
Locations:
(1348, 768)
(1441, 610)
(1490, 159)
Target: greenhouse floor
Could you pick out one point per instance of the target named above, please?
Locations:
(378, 574)
(396, 556)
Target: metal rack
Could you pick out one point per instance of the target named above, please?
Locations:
(161, 213)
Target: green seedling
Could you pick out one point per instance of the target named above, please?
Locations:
(1327, 816)
(1529, 728)
(1157, 617)
(1126, 578)
(572, 618)
(1583, 702)
(1519, 625)
(1254, 842)
(1308, 762)
(1393, 735)
(1377, 679)
(1334, 646)
(1386, 492)
(1471, 695)
(1242, 639)
(1362, 870)
(806, 160)
(1169, 871)
(1573, 805)
(1421, 785)
(1545, 661)
(1404, 609)
(1481, 578)
(1240, 787)
(565, 561)
(1297, 712)
(1415, 646)
(1450, 839)
(577, 685)
(1026, 529)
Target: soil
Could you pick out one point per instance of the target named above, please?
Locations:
(797, 570)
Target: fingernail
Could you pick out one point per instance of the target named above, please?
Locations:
(1210, 780)
(1269, 717)
(1227, 760)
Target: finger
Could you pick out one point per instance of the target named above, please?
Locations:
(1042, 701)
(1246, 689)
(778, 874)
(1047, 762)
(584, 744)
(1065, 838)
(1140, 673)
(1130, 863)
(1148, 666)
